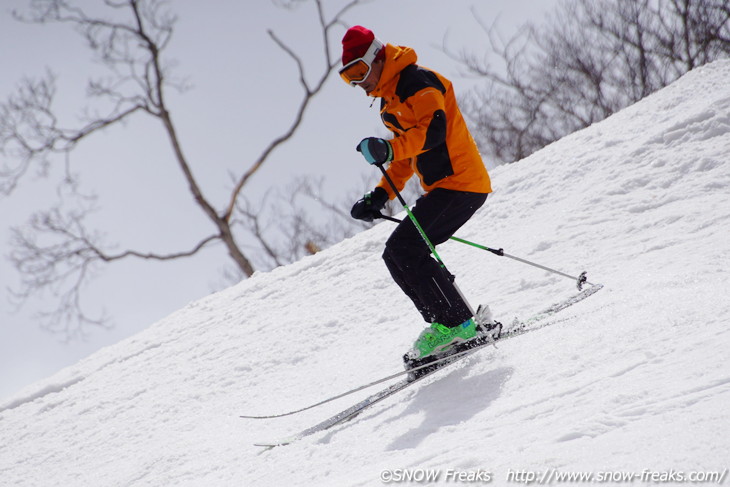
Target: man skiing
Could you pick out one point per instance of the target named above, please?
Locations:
(431, 139)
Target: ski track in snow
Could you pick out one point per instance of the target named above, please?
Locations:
(635, 377)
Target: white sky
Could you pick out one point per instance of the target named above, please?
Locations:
(244, 94)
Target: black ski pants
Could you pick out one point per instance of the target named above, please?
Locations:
(440, 214)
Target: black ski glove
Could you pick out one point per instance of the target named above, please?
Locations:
(368, 207)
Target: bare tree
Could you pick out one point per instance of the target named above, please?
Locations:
(593, 59)
(58, 252)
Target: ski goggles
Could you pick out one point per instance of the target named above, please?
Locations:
(358, 69)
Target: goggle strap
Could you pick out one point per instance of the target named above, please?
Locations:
(368, 57)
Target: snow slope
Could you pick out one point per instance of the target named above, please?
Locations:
(636, 378)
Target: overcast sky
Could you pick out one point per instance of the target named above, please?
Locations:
(244, 93)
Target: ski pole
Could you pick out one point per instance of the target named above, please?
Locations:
(411, 216)
(425, 237)
(580, 280)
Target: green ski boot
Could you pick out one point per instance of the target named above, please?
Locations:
(438, 338)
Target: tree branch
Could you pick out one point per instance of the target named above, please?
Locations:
(309, 93)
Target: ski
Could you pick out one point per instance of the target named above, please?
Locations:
(516, 329)
(373, 399)
(395, 375)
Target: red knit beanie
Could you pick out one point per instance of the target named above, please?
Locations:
(355, 43)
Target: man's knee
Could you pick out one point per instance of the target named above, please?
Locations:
(399, 249)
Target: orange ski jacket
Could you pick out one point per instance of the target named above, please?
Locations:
(430, 135)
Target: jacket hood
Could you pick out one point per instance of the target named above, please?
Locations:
(396, 58)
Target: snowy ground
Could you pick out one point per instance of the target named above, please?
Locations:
(633, 380)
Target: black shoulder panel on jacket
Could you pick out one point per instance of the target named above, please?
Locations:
(413, 79)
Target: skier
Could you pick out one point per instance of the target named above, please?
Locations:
(432, 140)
